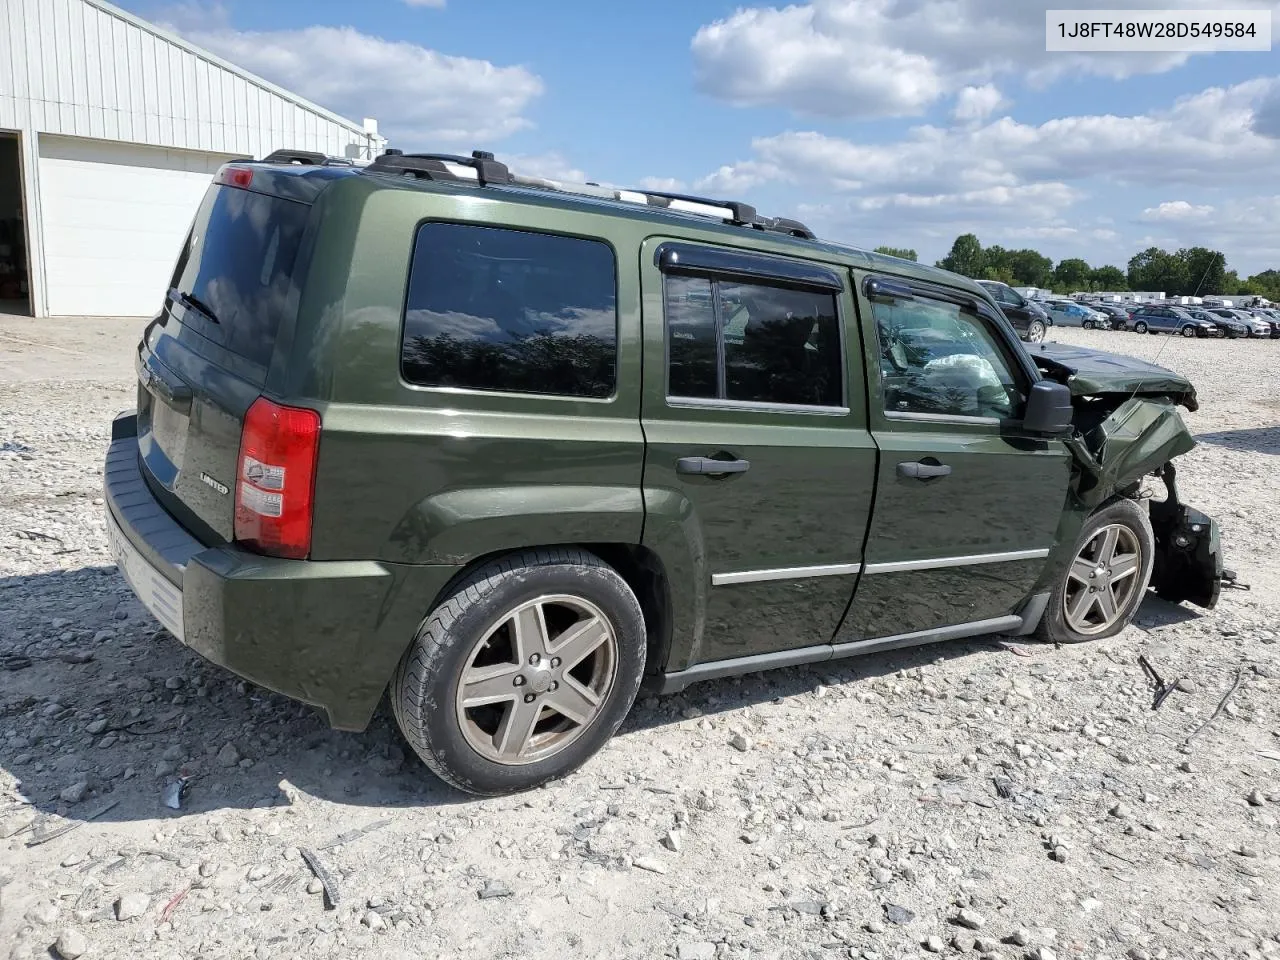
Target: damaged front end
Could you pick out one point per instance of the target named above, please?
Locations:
(1128, 428)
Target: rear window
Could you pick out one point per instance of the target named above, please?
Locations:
(238, 263)
(497, 309)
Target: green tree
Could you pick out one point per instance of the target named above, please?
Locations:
(1206, 271)
(1030, 268)
(966, 257)
(1072, 275)
(1265, 284)
(1108, 278)
(1158, 270)
(902, 253)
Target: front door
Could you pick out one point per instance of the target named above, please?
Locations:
(967, 503)
(758, 463)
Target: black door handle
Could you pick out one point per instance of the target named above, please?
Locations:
(709, 466)
(923, 471)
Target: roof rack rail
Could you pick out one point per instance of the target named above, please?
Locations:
(306, 158)
(482, 168)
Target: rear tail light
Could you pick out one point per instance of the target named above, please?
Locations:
(232, 176)
(275, 479)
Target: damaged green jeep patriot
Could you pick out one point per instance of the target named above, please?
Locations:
(508, 447)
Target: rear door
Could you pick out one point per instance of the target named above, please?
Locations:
(758, 458)
(967, 504)
(204, 359)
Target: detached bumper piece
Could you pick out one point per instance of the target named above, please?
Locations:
(1188, 562)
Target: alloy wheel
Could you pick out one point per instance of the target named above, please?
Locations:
(1102, 580)
(537, 679)
(1035, 331)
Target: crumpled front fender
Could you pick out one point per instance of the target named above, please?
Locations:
(1139, 437)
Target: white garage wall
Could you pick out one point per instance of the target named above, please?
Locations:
(115, 216)
(85, 68)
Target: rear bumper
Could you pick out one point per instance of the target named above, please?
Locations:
(328, 633)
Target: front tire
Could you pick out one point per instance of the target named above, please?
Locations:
(1100, 591)
(1189, 331)
(523, 672)
(1087, 324)
(1035, 331)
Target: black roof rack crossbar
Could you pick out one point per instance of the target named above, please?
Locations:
(435, 166)
(743, 213)
(785, 225)
(304, 157)
(448, 166)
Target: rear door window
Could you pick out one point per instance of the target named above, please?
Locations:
(497, 309)
(239, 268)
(752, 343)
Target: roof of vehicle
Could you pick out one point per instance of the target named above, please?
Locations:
(447, 174)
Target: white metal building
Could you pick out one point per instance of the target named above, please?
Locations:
(109, 131)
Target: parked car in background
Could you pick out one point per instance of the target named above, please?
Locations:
(1068, 313)
(1116, 314)
(1270, 316)
(1169, 319)
(1027, 316)
(1253, 326)
(1231, 327)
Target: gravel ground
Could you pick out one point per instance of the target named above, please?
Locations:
(974, 798)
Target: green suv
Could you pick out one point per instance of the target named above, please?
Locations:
(507, 448)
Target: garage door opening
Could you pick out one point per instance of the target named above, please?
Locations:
(15, 288)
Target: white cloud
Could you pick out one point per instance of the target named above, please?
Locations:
(1199, 138)
(663, 184)
(1176, 210)
(738, 177)
(869, 58)
(548, 166)
(978, 103)
(422, 98)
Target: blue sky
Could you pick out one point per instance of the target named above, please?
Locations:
(902, 122)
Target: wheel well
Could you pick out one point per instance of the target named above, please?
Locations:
(639, 566)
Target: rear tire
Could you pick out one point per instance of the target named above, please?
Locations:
(523, 716)
(1139, 327)
(1113, 558)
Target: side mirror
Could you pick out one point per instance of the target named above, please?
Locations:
(1048, 408)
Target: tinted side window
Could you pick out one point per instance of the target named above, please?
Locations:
(496, 309)
(936, 358)
(752, 342)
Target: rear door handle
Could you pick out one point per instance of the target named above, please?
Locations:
(709, 466)
(923, 471)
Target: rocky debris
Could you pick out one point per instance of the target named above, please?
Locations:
(971, 919)
(651, 864)
(695, 950)
(71, 944)
(1255, 798)
(740, 741)
(76, 792)
(494, 890)
(228, 755)
(130, 906)
(935, 944)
